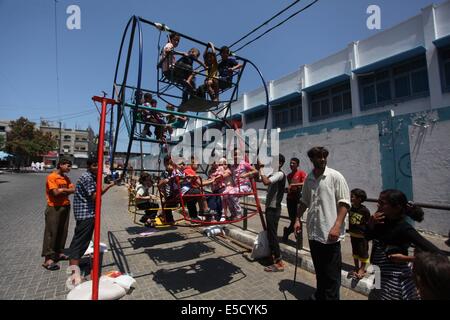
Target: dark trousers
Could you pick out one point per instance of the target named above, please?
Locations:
(81, 238)
(327, 262)
(215, 203)
(272, 218)
(191, 202)
(55, 234)
(171, 202)
(292, 205)
(149, 214)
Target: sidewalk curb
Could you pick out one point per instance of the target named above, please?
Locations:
(363, 286)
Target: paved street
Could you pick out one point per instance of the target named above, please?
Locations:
(178, 263)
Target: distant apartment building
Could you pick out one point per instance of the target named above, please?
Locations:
(4, 127)
(74, 144)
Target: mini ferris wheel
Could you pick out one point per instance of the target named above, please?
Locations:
(193, 90)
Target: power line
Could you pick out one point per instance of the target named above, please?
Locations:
(264, 23)
(276, 26)
(68, 114)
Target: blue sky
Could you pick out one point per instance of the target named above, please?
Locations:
(87, 57)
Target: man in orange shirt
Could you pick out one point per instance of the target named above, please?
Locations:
(58, 188)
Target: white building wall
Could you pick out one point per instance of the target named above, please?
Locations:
(259, 124)
(400, 108)
(355, 153)
(238, 106)
(255, 98)
(353, 62)
(328, 68)
(403, 37)
(287, 85)
(430, 166)
(442, 16)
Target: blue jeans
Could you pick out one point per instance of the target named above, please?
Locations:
(215, 203)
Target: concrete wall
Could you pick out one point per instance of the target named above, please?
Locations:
(354, 152)
(409, 152)
(430, 166)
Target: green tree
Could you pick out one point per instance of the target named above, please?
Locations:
(25, 142)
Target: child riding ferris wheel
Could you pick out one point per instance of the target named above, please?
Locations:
(193, 90)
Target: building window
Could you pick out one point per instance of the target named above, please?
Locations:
(67, 138)
(255, 116)
(444, 55)
(287, 114)
(400, 82)
(331, 102)
(2, 129)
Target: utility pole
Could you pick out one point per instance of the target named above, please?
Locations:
(60, 141)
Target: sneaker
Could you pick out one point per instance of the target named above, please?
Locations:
(222, 219)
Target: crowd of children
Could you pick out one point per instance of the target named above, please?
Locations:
(218, 75)
(224, 186)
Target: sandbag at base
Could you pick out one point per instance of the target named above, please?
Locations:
(107, 290)
(261, 247)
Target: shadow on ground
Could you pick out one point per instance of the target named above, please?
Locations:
(185, 252)
(155, 239)
(139, 229)
(198, 278)
(118, 255)
(299, 290)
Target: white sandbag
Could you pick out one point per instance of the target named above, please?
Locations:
(107, 290)
(261, 247)
(125, 281)
(213, 230)
(90, 249)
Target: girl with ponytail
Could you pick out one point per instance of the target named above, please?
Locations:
(392, 237)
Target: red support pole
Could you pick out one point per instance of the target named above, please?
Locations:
(258, 205)
(98, 200)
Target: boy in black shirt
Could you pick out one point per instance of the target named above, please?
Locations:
(358, 218)
(227, 67)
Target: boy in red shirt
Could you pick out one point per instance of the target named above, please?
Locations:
(295, 179)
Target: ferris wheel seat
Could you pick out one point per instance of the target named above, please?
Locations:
(195, 104)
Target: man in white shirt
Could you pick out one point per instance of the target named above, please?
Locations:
(276, 182)
(326, 196)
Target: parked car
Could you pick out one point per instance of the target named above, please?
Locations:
(74, 166)
(49, 166)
